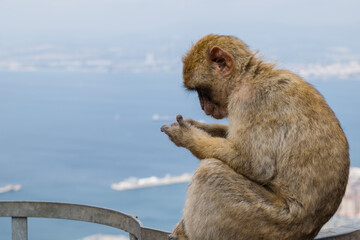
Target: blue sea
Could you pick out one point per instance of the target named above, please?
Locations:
(66, 137)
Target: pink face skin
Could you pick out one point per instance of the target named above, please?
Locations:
(212, 109)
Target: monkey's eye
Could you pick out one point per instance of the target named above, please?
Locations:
(190, 89)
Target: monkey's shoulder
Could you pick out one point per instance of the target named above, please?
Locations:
(284, 85)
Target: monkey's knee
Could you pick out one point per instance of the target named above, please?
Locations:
(212, 170)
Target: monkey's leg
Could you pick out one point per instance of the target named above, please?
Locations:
(222, 204)
(179, 232)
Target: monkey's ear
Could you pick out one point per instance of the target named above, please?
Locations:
(222, 60)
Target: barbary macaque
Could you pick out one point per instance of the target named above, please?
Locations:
(278, 170)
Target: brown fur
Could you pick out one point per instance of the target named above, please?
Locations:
(279, 170)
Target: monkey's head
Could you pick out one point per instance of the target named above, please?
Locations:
(211, 67)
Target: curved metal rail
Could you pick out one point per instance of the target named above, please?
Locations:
(20, 211)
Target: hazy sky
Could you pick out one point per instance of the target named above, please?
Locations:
(97, 20)
(117, 35)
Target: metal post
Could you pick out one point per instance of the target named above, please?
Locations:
(19, 228)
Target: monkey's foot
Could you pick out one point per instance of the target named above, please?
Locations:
(172, 237)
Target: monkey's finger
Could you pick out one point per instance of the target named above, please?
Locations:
(180, 120)
(164, 128)
(174, 124)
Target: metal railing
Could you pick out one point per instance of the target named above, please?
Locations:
(21, 211)
(348, 232)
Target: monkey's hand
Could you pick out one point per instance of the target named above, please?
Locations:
(199, 142)
(180, 132)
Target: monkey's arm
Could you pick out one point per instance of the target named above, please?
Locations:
(258, 168)
(215, 130)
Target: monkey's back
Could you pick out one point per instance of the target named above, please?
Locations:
(317, 148)
(297, 127)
